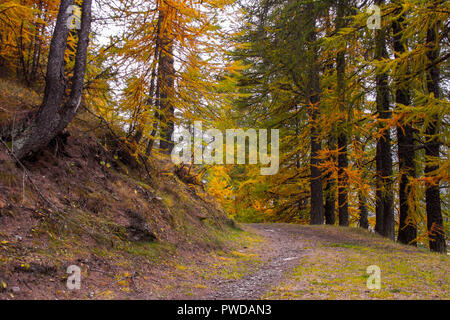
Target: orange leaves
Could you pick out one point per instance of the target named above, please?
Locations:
(16, 25)
(24, 32)
(185, 35)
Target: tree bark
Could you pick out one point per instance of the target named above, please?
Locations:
(432, 193)
(378, 193)
(313, 89)
(54, 115)
(384, 153)
(342, 127)
(363, 212)
(407, 231)
(167, 75)
(330, 186)
(330, 191)
(166, 78)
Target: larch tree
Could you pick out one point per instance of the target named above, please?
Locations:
(57, 110)
(342, 128)
(407, 231)
(173, 48)
(313, 100)
(432, 146)
(385, 223)
(166, 77)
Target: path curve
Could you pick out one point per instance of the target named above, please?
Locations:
(285, 249)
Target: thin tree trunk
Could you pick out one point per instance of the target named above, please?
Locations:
(384, 153)
(157, 121)
(38, 44)
(378, 193)
(53, 115)
(407, 231)
(152, 100)
(432, 193)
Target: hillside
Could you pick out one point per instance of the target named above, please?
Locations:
(78, 203)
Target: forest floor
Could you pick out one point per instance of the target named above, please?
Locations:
(263, 261)
(323, 262)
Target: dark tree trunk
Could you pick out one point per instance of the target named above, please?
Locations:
(378, 193)
(343, 180)
(330, 191)
(432, 193)
(384, 153)
(330, 182)
(330, 215)
(167, 75)
(407, 231)
(342, 126)
(166, 78)
(317, 209)
(54, 115)
(363, 212)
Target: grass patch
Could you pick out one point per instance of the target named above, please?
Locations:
(338, 270)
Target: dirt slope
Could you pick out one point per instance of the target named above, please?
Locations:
(86, 201)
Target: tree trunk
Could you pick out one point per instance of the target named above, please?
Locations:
(342, 126)
(384, 153)
(330, 185)
(166, 77)
(54, 115)
(152, 100)
(432, 193)
(378, 193)
(407, 231)
(330, 192)
(36, 47)
(363, 212)
(317, 209)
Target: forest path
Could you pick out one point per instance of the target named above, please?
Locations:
(328, 262)
(284, 247)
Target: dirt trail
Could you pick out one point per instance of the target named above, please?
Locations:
(285, 246)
